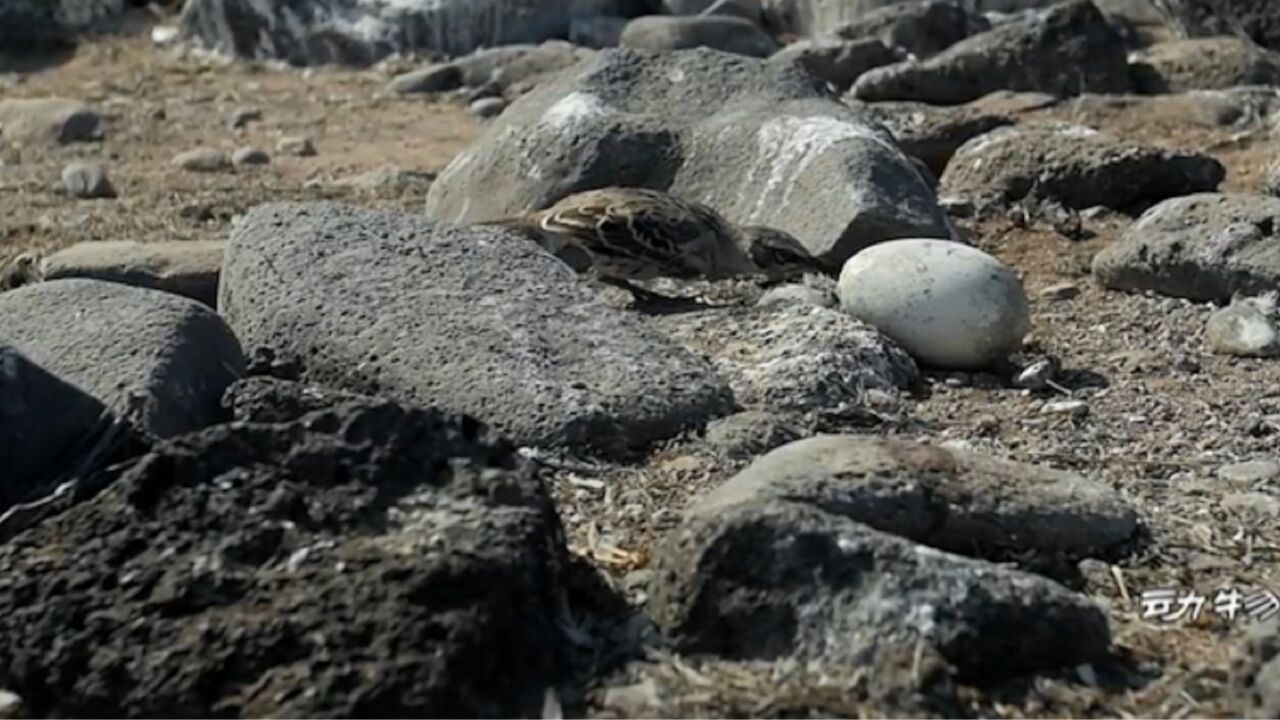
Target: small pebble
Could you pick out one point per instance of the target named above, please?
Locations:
(1065, 407)
(1253, 471)
(250, 156)
(296, 146)
(1037, 375)
(243, 116)
(1060, 292)
(87, 180)
(203, 160)
(487, 107)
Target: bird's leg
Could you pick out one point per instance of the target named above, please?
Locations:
(650, 302)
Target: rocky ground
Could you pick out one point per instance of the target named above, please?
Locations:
(1185, 437)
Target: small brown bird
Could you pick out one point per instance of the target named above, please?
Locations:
(623, 234)
(21, 270)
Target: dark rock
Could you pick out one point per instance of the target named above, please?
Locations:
(28, 26)
(773, 580)
(272, 400)
(1207, 247)
(794, 357)
(763, 144)
(114, 341)
(930, 133)
(958, 501)
(1029, 54)
(661, 33)
(922, 29)
(502, 66)
(1255, 671)
(1259, 20)
(753, 432)
(314, 32)
(471, 319)
(186, 267)
(46, 425)
(363, 561)
(1203, 64)
(839, 62)
(1074, 166)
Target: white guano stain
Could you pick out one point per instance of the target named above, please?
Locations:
(574, 109)
(787, 146)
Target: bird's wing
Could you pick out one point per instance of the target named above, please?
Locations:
(631, 228)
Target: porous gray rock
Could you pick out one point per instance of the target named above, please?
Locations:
(770, 580)
(113, 341)
(189, 268)
(1207, 246)
(753, 432)
(46, 426)
(354, 32)
(763, 144)
(1255, 670)
(661, 33)
(796, 358)
(930, 133)
(226, 569)
(87, 181)
(1074, 166)
(955, 500)
(471, 319)
(1028, 54)
(1216, 63)
(839, 62)
(49, 121)
(921, 29)
(1248, 327)
(504, 67)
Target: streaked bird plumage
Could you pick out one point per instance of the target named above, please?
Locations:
(638, 234)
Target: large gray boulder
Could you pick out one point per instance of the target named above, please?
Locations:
(795, 357)
(1075, 166)
(773, 579)
(764, 144)
(1207, 246)
(501, 68)
(367, 560)
(922, 29)
(49, 121)
(161, 359)
(1065, 50)
(359, 32)
(474, 320)
(718, 32)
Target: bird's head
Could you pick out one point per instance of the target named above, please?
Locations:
(778, 254)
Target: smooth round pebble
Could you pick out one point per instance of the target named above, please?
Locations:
(87, 180)
(488, 107)
(250, 156)
(203, 160)
(296, 146)
(949, 305)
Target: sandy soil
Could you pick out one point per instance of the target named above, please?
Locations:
(1164, 414)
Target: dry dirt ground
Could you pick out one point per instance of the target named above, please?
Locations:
(1164, 414)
